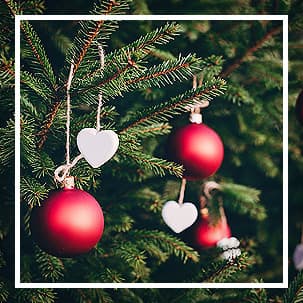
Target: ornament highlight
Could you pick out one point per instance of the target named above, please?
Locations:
(207, 235)
(68, 223)
(198, 148)
(179, 216)
(97, 147)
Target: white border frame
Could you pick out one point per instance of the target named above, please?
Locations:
(284, 18)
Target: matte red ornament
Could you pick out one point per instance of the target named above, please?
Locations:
(299, 107)
(207, 235)
(68, 223)
(198, 148)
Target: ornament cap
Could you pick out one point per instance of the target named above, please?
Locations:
(195, 118)
(69, 182)
(204, 212)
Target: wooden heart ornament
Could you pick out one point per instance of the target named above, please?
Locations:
(179, 216)
(97, 147)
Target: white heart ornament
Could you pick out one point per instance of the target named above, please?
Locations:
(179, 216)
(97, 147)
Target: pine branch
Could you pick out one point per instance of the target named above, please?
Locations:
(168, 243)
(156, 165)
(238, 95)
(174, 106)
(294, 293)
(249, 52)
(168, 72)
(192, 295)
(90, 30)
(50, 267)
(4, 292)
(181, 68)
(153, 130)
(36, 295)
(134, 258)
(48, 123)
(92, 295)
(7, 144)
(226, 271)
(38, 86)
(111, 276)
(117, 62)
(257, 295)
(40, 61)
(122, 223)
(7, 73)
(32, 191)
(243, 199)
(13, 8)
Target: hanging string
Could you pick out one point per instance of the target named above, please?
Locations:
(68, 110)
(208, 188)
(195, 115)
(195, 109)
(62, 171)
(100, 102)
(182, 191)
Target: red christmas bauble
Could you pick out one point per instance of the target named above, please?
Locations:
(198, 148)
(207, 235)
(68, 223)
(299, 107)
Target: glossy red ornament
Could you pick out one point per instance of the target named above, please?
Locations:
(198, 148)
(299, 107)
(68, 223)
(206, 235)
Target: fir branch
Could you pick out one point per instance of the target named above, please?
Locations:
(168, 72)
(249, 52)
(153, 130)
(111, 276)
(13, 7)
(178, 69)
(50, 267)
(122, 223)
(226, 271)
(32, 191)
(45, 166)
(92, 295)
(192, 295)
(7, 73)
(238, 95)
(294, 293)
(38, 86)
(134, 258)
(4, 292)
(168, 243)
(257, 295)
(175, 106)
(243, 199)
(48, 123)
(90, 30)
(40, 59)
(78, 57)
(119, 61)
(36, 295)
(156, 165)
(7, 144)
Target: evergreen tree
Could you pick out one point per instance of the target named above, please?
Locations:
(139, 73)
